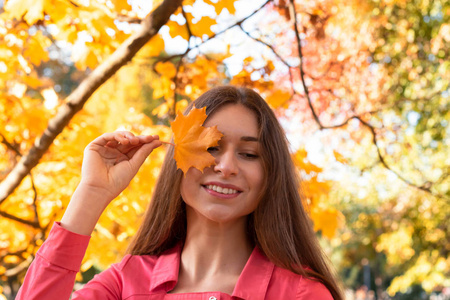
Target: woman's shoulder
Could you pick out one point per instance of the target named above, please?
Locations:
(148, 262)
(140, 274)
(307, 288)
(285, 284)
(130, 261)
(310, 288)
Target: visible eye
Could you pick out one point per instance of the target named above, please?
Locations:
(212, 149)
(249, 155)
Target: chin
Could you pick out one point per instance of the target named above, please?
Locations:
(223, 217)
(215, 213)
(219, 217)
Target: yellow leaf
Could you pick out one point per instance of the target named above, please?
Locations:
(163, 87)
(167, 69)
(59, 10)
(327, 221)
(221, 56)
(248, 60)
(120, 5)
(162, 110)
(278, 99)
(339, 157)
(270, 66)
(300, 160)
(181, 105)
(88, 59)
(314, 189)
(220, 5)
(301, 154)
(33, 118)
(176, 29)
(31, 10)
(154, 47)
(242, 78)
(201, 27)
(10, 259)
(79, 277)
(192, 140)
(188, 2)
(200, 75)
(86, 265)
(35, 51)
(32, 81)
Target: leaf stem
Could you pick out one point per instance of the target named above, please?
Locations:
(164, 142)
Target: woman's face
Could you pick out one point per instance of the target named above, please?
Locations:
(230, 190)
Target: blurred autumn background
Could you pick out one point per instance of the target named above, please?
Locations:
(361, 88)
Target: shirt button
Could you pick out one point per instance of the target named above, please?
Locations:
(212, 298)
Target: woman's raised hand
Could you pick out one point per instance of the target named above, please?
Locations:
(113, 159)
(110, 162)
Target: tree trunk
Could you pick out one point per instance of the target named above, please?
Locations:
(76, 100)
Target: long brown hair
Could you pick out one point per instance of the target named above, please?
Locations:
(279, 226)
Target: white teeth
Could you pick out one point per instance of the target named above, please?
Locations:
(221, 190)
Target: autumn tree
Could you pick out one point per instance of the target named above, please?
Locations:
(367, 82)
(406, 222)
(379, 90)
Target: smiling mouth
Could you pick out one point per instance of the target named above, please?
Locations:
(221, 190)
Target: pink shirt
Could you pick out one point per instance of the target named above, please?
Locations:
(52, 274)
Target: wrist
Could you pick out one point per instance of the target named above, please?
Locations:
(84, 210)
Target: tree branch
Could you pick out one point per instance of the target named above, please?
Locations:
(188, 27)
(128, 19)
(383, 161)
(33, 224)
(76, 100)
(302, 72)
(173, 114)
(35, 211)
(20, 267)
(424, 187)
(238, 23)
(9, 145)
(291, 78)
(182, 55)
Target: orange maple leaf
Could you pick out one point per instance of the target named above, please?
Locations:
(192, 140)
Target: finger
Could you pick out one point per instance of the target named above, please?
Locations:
(115, 137)
(132, 139)
(144, 139)
(137, 142)
(143, 152)
(122, 141)
(133, 145)
(112, 144)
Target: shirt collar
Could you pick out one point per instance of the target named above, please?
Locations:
(254, 279)
(165, 271)
(252, 283)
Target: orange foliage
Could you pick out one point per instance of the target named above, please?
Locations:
(326, 219)
(31, 30)
(192, 140)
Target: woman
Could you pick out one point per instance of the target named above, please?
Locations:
(237, 230)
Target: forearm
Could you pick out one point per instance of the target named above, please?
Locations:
(52, 274)
(110, 162)
(85, 208)
(39, 284)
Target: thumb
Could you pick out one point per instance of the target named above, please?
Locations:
(143, 152)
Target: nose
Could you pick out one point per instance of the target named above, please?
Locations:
(226, 164)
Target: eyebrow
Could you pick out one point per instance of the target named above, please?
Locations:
(249, 139)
